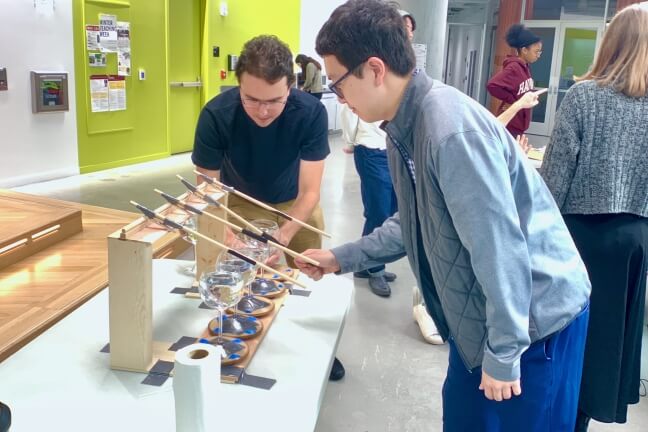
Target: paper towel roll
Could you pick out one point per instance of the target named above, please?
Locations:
(196, 383)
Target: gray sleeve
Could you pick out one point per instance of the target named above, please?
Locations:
(474, 178)
(309, 80)
(560, 159)
(382, 246)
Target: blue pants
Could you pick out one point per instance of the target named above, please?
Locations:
(376, 189)
(550, 379)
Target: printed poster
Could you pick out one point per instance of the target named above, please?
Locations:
(123, 49)
(92, 38)
(99, 94)
(420, 52)
(97, 59)
(108, 32)
(117, 93)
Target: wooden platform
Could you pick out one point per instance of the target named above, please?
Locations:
(28, 226)
(39, 290)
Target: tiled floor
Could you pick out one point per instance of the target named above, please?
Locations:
(394, 378)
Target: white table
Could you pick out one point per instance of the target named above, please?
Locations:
(61, 382)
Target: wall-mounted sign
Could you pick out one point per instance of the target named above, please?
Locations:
(93, 43)
(123, 48)
(107, 93)
(49, 91)
(108, 32)
(97, 59)
(3, 79)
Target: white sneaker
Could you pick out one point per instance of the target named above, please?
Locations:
(427, 326)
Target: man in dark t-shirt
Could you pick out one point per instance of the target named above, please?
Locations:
(268, 140)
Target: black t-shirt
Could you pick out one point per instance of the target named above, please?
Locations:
(262, 162)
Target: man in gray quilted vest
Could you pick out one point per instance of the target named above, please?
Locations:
(498, 269)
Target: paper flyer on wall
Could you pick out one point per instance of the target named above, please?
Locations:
(123, 48)
(420, 52)
(108, 32)
(99, 96)
(117, 91)
(97, 59)
(92, 37)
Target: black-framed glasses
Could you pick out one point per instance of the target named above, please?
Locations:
(256, 104)
(335, 87)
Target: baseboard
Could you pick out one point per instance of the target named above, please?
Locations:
(39, 177)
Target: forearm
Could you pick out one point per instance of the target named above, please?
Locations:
(510, 112)
(382, 246)
(302, 209)
(215, 174)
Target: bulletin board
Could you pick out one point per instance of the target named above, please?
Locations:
(107, 67)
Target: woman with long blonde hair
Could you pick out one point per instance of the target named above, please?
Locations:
(596, 167)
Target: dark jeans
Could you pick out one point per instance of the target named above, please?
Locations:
(378, 197)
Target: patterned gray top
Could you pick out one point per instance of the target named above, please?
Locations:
(597, 159)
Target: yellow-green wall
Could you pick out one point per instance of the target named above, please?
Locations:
(111, 139)
(245, 19)
(140, 133)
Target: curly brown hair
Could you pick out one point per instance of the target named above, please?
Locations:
(268, 58)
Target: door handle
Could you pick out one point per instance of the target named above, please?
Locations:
(185, 84)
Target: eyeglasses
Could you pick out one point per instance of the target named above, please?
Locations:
(256, 104)
(335, 87)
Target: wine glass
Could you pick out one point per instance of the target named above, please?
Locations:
(220, 290)
(231, 263)
(192, 223)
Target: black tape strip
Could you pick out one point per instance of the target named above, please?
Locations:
(191, 208)
(300, 292)
(182, 342)
(155, 380)
(203, 306)
(105, 349)
(173, 200)
(180, 290)
(193, 289)
(162, 367)
(171, 224)
(257, 381)
(189, 186)
(254, 235)
(147, 212)
(269, 237)
(233, 371)
(240, 255)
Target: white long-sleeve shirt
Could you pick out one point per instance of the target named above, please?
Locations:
(358, 132)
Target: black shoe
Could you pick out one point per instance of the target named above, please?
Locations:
(582, 422)
(379, 286)
(337, 370)
(5, 417)
(389, 276)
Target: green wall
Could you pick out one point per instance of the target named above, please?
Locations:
(245, 19)
(111, 139)
(140, 133)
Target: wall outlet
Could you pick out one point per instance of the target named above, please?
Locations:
(223, 8)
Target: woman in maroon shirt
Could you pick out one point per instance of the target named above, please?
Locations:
(514, 80)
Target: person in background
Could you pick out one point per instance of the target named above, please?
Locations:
(367, 143)
(268, 140)
(514, 80)
(596, 166)
(410, 23)
(494, 260)
(311, 72)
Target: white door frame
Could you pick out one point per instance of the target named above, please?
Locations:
(545, 128)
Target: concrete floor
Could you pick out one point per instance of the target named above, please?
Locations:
(394, 378)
